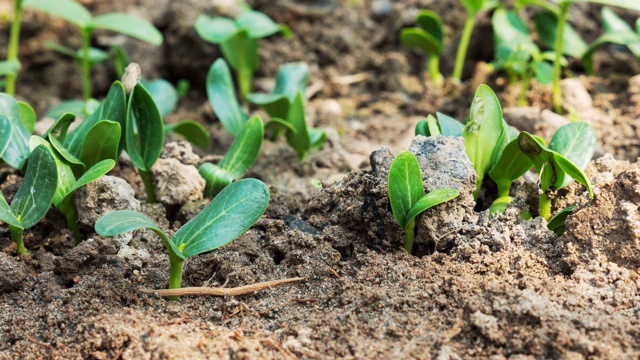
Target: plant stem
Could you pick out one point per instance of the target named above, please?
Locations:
(434, 69)
(12, 52)
(71, 216)
(175, 273)
(462, 47)
(557, 91)
(16, 236)
(86, 65)
(409, 236)
(244, 80)
(526, 81)
(545, 206)
(148, 186)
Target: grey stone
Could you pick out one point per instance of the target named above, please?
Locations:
(103, 196)
(176, 183)
(575, 96)
(522, 118)
(13, 273)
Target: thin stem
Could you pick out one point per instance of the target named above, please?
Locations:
(148, 186)
(14, 40)
(433, 65)
(462, 47)
(175, 273)
(500, 204)
(16, 236)
(557, 91)
(409, 235)
(86, 64)
(525, 83)
(545, 206)
(71, 216)
(244, 80)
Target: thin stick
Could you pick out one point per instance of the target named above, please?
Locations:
(207, 291)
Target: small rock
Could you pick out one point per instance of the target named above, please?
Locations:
(522, 118)
(553, 120)
(447, 353)
(330, 109)
(176, 183)
(380, 8)
(575, 96)
(137, 257)
(182, 151)
(488, 326)
(13, 273)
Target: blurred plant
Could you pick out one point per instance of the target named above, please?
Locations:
(473, 8)
(428, 36)
(11, 67)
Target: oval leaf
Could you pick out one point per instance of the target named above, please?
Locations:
(192, 131)
(222, 97)
(577, 143)
(512, 164)
(68, 10)
(298, 140)
(257, 24)
(27, 115)
(6, 215)
(405, 185)
(449, 126)
(5, 133)
(437, 196)
(163, 93)
(145, 146)
(215, 30)
(229, 215)
(418, 38)
(129, 25)
(430, 22)
(65, 178)
(101, 143)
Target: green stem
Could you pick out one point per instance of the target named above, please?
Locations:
(175, 273)
(148, 186)
(16, 236)
(433, 65)
(545, 206)
(409, 235)
(86, 65)
(12, 52)
(71, 215)
(557, 91)
(244, 80)
(526, 81)
(462, 47)
(500, 204)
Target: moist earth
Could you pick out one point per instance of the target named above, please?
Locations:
(475, 287)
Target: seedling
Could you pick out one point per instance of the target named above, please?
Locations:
(473, 8)
(11, 67)
(442, 125)
(236, 208)
(406, 194)
(77, 15)
(34, 197)
(238, 40)
(241, 155)
(617, 31)
(428, 37)
(559, 164)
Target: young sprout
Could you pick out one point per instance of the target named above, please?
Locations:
(236, 208)
(442, 125)
(241, 155)
(473, 8)
(34, 197)
(238, 40)
(77, 15)
(428, 37)
(406, 194)
(11, 67)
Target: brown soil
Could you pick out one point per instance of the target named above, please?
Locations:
(477, 287)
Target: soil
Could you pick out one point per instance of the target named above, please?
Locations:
(476, 287)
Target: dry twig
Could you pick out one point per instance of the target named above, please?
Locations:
(209, 291)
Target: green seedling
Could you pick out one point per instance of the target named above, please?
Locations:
(428, 36)
(555, 32)
(17, 128)
(238, 40)
(11, 67)
(617, 31)
(559, 164)
(473, 8)
(406, 194)
(77, 15)
(441, 124)
(241, 155)
(517, 53)
(229, 215)
(34, 197)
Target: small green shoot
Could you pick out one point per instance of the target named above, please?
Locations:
(236, 208)
(29, 205)
(406, 194)
(440, 125)
(11, 67)
(428, 36)
(473, 8)
(241, 155)
(77, 15)
(238, 40)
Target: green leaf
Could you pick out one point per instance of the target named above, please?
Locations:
(236, 208)
(275, 105)
(571, 170)
(27, 115)
(418, 38)
(71, 106)
(276, 125)
(317, 137)
(449, 126)
(215, 30)
(628, 4)
(6, 215)
(298, 140)
(34, 197)
(60, 127)
(257, 24)
(123, 221)
(164, 95)
(145, 146)
(512, 39)
(547, 27)
(74, 54)
(101, 143)
(430, 22)
(512, 164)
(290, 79)
(129, 25)
(56, 136)
(543, 72)
(114, 108)
(576, 142)
(5, 133)
(436, 197)
(558, 221)
(68, 10)
(612, 22)
(64, 173)
(192, 131)
(472, 6)
(9, 67)
(483, 131)
(222, 97)
(430, 127)
(405, 186)
(17, 151)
